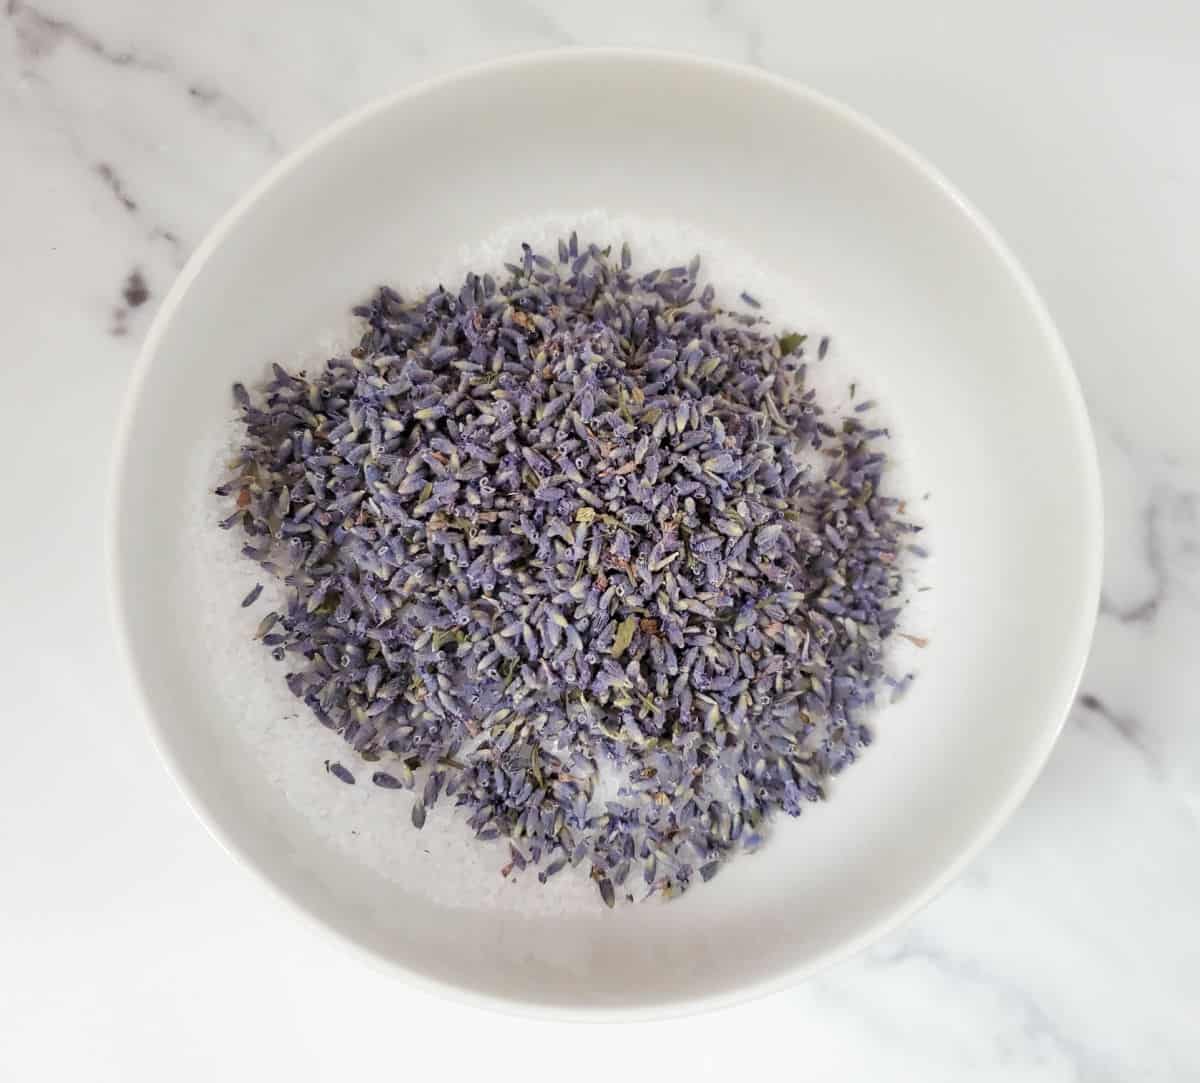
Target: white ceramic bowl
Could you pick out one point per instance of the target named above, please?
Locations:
(837, 225)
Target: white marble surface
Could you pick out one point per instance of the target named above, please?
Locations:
(131, 948)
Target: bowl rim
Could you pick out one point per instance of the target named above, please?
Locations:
(1078, 645)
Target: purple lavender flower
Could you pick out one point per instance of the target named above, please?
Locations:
(538, 528)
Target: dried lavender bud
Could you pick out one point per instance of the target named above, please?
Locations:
(570, 533)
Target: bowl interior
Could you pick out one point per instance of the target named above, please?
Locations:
(837, 229)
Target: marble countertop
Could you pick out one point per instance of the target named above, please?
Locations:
(134, 949)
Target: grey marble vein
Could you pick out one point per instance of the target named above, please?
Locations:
(207, 96)
(1123, 725)
(135, 292)
(39, 34)
(732, 18)
(1036, 1023)
(522, 17)
(115, 183)
(1146, 608)
(116, 186)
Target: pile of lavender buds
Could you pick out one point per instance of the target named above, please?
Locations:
(578, 551)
